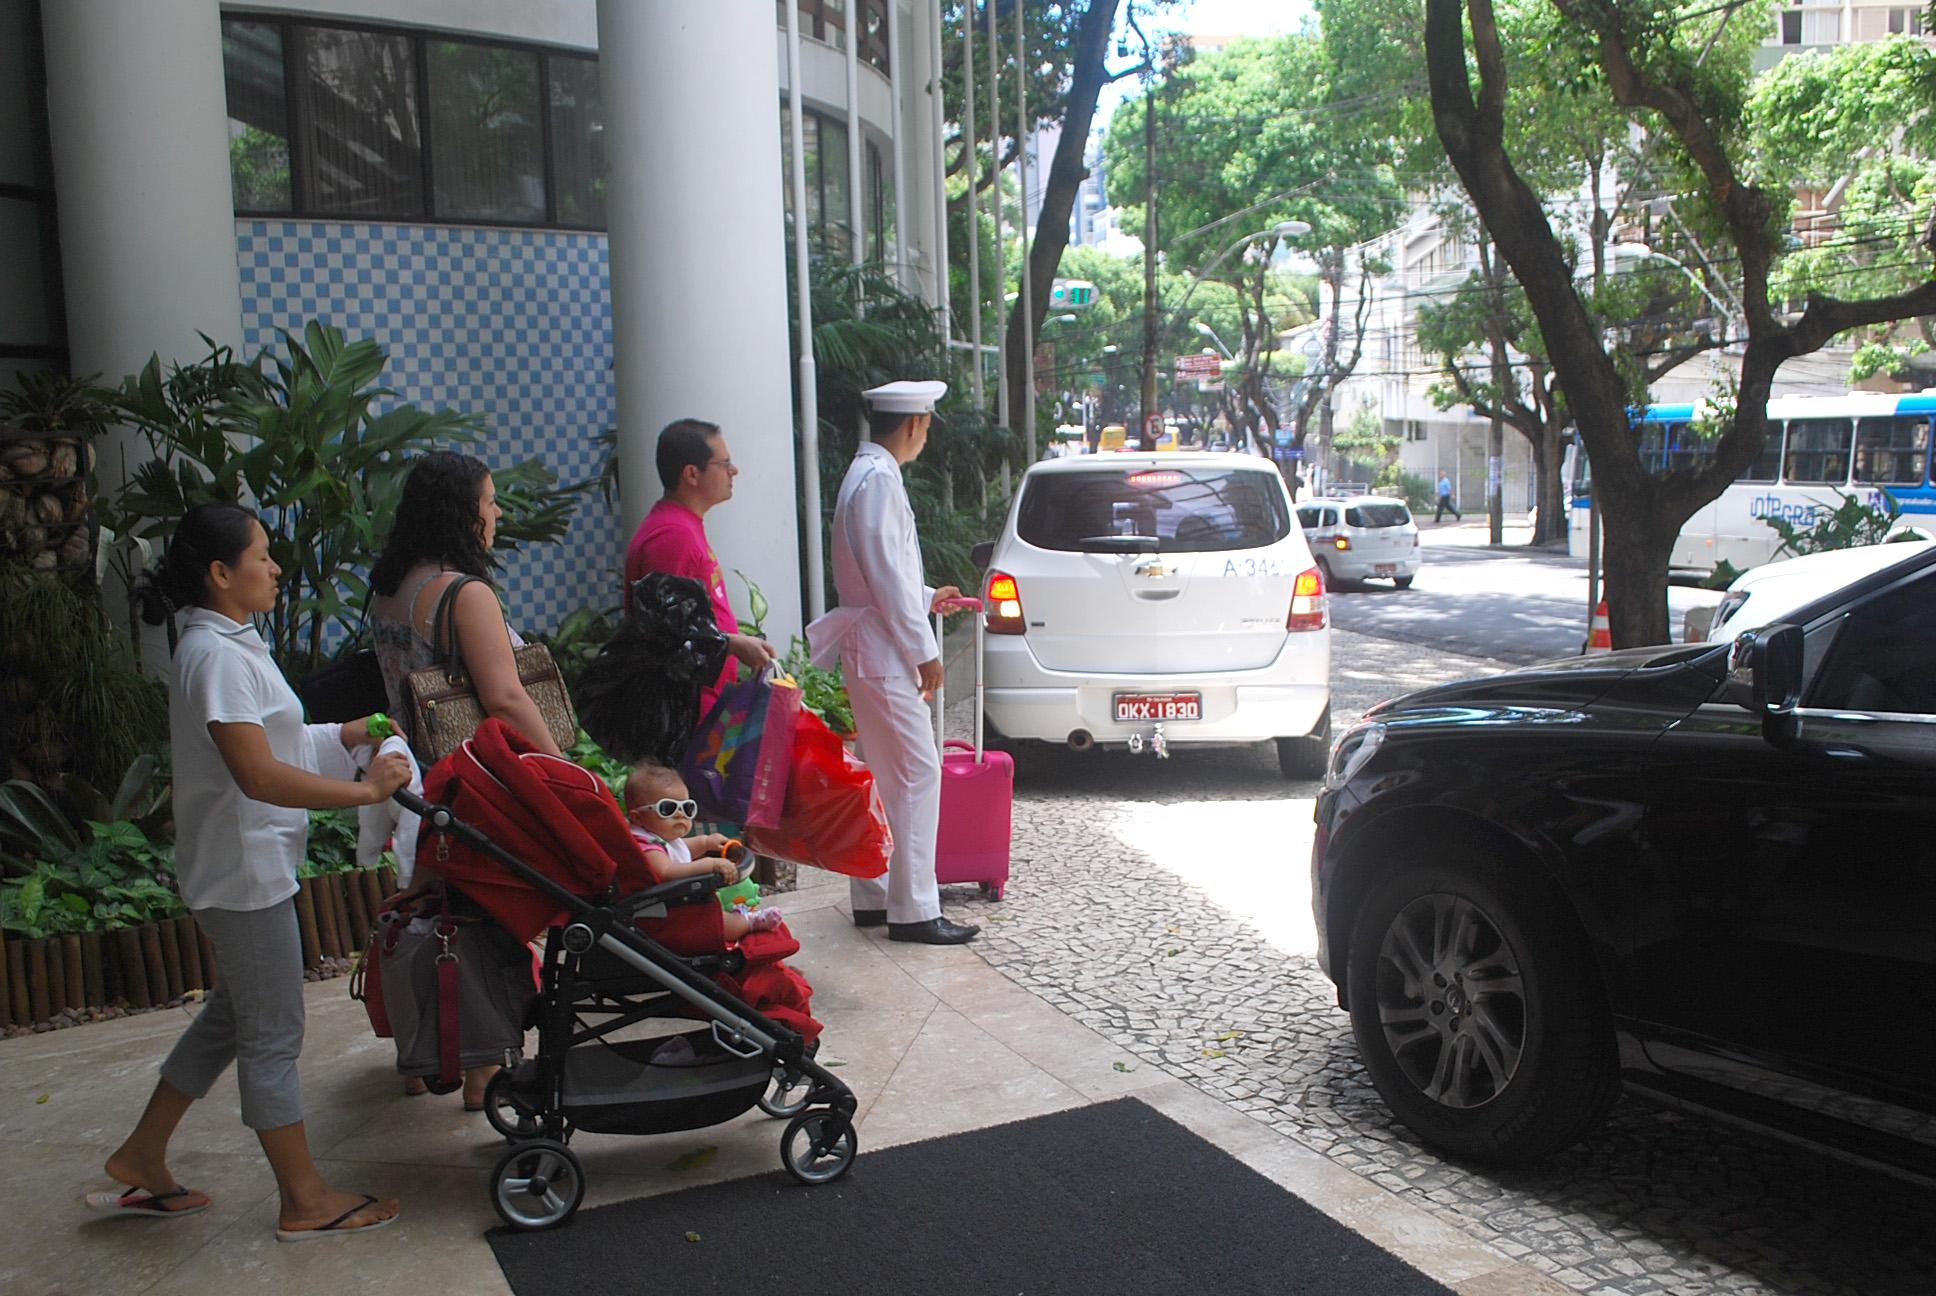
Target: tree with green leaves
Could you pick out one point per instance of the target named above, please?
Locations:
(1652, 58)
(1248, 138)
(1853, 125)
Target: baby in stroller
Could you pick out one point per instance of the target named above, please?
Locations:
(661, 812)
(539, 843)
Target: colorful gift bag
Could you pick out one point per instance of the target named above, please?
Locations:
(737, 764)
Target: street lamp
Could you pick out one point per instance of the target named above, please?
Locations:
(1284, 229)
(1727, 315)
(1211, 333)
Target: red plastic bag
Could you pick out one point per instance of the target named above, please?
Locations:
(834, 818)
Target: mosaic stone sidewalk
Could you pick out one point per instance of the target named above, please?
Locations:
(1159, 904)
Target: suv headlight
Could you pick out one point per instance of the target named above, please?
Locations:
(1349, 752)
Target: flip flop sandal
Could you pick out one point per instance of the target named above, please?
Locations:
(139, 1201)
(335, 1229)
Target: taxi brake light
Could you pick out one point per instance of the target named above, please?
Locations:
(1307, 602)
(1343, 542)
(1004, 604)
(1156, 478)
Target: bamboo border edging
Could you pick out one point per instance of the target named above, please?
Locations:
(157, 964)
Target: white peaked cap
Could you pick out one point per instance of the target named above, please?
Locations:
(905, 397)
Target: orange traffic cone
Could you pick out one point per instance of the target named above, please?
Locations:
(1599, 635)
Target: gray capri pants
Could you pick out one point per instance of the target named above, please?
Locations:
(254, 1018)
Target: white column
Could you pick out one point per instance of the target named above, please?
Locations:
(699, 306)
(138, 119)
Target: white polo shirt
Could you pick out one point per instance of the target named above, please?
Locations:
(232, 852)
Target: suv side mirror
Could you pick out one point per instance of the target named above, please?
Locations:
(1772, 656)
(981, 553)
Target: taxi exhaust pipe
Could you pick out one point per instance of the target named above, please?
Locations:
(1081, 740)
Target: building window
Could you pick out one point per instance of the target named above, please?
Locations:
(258, 116)
(381, 124)
(486, 152)
(577, 133)
(1905, 22)
(830, 214)
(358, 122)
(827, 21)
(874, 175)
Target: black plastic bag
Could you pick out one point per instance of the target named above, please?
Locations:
(639, 698)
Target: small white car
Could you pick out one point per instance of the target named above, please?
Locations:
(1764, 595)
(1361, 537)
(1156, 602)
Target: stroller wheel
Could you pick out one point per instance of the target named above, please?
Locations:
(991, 890)
(537, 1185)
(507, 1114)
(818, 1147)
(783, 1099)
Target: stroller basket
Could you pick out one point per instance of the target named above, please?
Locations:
(599, 965)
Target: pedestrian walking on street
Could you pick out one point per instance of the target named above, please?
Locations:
(1445, 501)
(881, 635)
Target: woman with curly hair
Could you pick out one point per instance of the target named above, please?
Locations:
(445, 524)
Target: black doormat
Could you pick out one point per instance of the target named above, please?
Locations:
(1113, 1199)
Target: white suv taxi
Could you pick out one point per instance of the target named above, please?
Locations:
(1155, 602)
(1361, 537)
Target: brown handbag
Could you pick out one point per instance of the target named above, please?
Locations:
(444, 710)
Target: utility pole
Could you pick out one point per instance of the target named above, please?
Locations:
(1149, 235)
(1024, 136)
(1501, 375)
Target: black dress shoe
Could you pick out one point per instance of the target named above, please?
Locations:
(870, 917)
(935, 931)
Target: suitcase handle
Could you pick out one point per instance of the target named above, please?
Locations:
(963, 604)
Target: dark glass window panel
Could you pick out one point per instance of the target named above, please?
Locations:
(1373, 516)
(876, 187)
(873, 34)
(252, 71)
(1892, 451)
(810, 133)
(1880, 661)
(1767, 464)
(1818, 452)
(836, 226)
(577, 141)
(486, 147)
(1188, 511)
(362, 140)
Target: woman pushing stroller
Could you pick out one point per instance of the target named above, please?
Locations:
(246, 772)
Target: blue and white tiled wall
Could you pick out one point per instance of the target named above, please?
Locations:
(513, 325)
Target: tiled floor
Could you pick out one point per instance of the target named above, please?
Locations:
(933, 1039)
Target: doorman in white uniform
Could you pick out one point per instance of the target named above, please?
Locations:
(882, 637)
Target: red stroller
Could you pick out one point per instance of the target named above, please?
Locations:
(539, 843)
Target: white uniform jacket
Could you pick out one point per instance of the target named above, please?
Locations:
(881, 628)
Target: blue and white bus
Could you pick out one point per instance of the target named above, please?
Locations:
(1863, 443)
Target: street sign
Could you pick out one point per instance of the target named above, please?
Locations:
(1201, 367)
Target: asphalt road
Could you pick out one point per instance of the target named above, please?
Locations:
(1512, 603)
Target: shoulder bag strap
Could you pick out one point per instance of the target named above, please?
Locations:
(446, 605)
(449, 1028)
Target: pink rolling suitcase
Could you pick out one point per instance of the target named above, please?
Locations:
(977, 793)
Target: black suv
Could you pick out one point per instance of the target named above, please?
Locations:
(1706, 871)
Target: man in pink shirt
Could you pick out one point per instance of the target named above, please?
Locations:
(697, 472)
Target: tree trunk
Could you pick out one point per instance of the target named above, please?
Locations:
(1634, 550)
(1065, 177)
(1549, 492)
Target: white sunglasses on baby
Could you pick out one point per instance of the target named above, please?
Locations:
(667, 807)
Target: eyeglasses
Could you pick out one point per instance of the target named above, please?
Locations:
(727, 464)
(667, 807)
